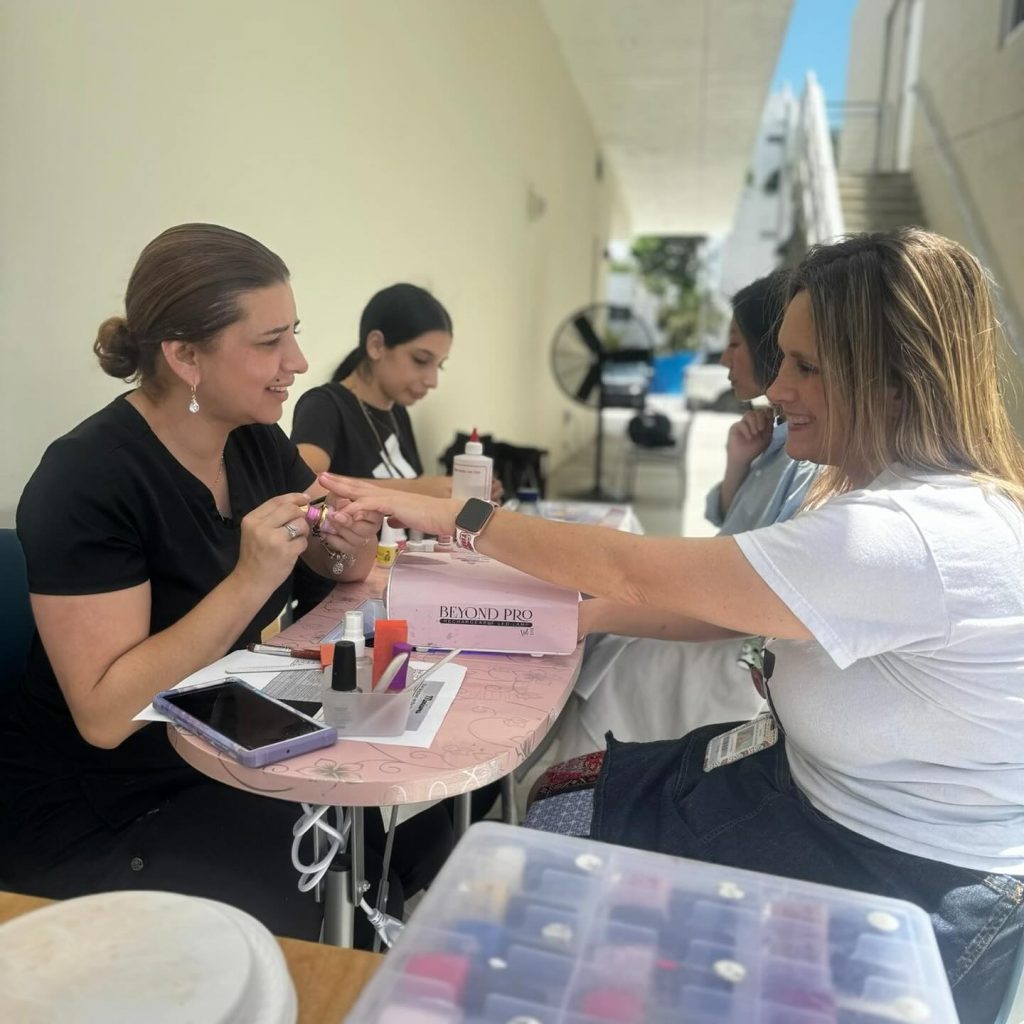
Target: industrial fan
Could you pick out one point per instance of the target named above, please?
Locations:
(601, 357)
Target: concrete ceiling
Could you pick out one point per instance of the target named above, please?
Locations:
(675, 90)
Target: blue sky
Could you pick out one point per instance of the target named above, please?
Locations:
(817, 39)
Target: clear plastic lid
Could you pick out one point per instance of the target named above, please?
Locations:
(527, 927)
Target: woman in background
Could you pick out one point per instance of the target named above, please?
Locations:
(648, 689)
(762, 484)
(357, 425)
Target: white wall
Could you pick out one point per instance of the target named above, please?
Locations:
(863, 85)
(976, 83)
(977, 86)
(763, 220)
(367, 142)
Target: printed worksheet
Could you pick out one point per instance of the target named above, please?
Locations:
(296, 679)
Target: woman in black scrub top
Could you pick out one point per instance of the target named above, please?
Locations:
(160, 534)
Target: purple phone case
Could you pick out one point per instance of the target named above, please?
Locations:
(257, 757)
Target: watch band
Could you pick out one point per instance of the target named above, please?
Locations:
(466, 535)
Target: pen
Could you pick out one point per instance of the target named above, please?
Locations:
(306, 654)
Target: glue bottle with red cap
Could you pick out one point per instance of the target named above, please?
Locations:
(472, 471)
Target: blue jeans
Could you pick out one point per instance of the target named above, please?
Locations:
(750, 814)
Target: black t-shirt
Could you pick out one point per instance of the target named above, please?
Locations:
(109, 508)
(360, 439)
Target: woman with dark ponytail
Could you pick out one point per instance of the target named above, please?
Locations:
(358, 424)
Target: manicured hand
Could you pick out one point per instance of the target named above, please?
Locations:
(273, 535)
(415, 511)
(351, 537)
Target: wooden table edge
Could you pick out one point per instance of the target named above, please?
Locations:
(328, 979)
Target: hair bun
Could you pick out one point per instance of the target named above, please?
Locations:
(116, 349)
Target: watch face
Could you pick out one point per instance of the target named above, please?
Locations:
(474, 515)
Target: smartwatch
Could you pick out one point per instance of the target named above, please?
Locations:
(471, 520)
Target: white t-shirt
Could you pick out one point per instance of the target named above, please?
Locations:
(904, 717)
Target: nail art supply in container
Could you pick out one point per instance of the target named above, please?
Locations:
(531, 926)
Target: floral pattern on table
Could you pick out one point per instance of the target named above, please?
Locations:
(505, 707)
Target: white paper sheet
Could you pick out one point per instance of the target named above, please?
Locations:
(295, 679)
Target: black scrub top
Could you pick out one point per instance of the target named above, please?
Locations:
(109, 508)
(351, 433)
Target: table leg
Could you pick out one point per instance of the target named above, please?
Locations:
(509, 814)
(463, 806)
(318, 852)
(339, 908)
(355, 844)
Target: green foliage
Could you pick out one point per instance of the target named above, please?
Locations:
(668, 259)
(669, 268)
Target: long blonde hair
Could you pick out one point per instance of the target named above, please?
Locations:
(909, 348)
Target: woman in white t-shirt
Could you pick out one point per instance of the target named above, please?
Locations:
(895, 600)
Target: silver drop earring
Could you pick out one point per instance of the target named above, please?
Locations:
(193, 405)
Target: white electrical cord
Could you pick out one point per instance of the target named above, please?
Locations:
(310, 875)
(388, 928)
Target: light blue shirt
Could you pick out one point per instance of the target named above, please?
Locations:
(772, 492)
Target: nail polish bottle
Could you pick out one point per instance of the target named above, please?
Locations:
(387, 546)
(339, 684)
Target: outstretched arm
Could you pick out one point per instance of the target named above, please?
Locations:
(600, 615)
(707, 579)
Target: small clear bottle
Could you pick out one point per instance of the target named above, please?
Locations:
(355, 633)
(529, 501)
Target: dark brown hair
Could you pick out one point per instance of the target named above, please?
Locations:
(185, 286)
(402, 313)
(757, 309)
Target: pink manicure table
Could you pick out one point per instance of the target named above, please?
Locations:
(505, 707)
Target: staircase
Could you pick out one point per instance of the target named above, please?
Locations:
(879, 201)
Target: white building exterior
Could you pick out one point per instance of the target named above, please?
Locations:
(940, 89)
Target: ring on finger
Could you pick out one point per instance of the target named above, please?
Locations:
(292, 532)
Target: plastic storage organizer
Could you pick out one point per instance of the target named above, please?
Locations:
(525, 927)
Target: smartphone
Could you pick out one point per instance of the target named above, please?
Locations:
(250, 726)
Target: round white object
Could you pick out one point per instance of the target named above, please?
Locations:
(152, 956)
(557, 931)
(730, 970)
(883, 921)
(730, 891)
(271, 997)
(909, 1008)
